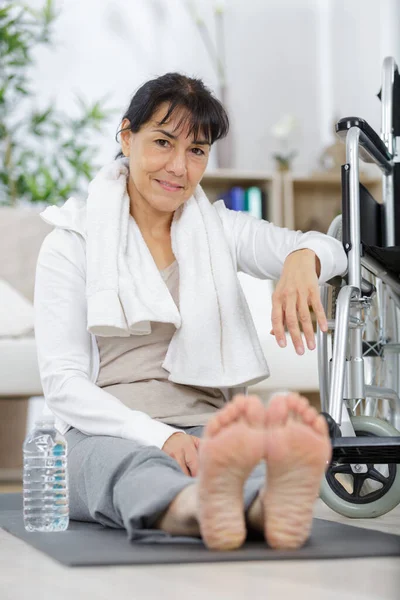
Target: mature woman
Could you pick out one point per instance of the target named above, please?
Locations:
(144, 336)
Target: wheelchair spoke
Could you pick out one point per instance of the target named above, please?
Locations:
(358, 484)
(377, 476)
(342, 469)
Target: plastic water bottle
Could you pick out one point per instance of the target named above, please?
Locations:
(45, 482)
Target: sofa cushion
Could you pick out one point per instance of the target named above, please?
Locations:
(16, 314)
(22, 232)
(19, 371)
(289, 371)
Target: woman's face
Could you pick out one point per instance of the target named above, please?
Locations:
(165, 163)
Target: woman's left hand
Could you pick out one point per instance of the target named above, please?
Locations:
(296, 291)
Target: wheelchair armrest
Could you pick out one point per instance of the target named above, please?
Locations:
(367, 288)
(346, 123)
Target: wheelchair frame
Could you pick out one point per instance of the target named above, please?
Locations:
(345, 379)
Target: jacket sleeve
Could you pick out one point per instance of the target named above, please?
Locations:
(64, 349)
(261, 248)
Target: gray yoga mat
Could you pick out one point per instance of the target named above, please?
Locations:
(90, 544)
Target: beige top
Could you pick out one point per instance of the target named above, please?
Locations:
(130, 369)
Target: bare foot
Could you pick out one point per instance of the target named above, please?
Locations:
(297, 449)
(231, 447)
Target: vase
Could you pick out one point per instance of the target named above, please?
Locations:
(282, 167)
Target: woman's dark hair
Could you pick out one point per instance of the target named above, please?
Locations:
(203, 112)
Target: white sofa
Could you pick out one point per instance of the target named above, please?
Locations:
(21, 235)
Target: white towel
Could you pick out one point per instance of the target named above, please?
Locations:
(215, 343)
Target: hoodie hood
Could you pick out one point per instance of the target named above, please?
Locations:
(71, 215)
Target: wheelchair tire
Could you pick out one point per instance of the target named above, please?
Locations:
(371, 504)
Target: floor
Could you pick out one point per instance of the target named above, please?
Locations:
(27, 573)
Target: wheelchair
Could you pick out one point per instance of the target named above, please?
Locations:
(359, 355)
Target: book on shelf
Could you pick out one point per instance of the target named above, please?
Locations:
(252, 200)
(253, 204)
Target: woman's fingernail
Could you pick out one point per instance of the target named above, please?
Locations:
(281, 343)
(299, 350)
(311, 345)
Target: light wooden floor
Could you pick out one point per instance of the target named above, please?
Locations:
(27, 573)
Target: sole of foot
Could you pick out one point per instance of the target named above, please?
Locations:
(297, 450)
(233, 444)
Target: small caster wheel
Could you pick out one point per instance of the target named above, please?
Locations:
(363, 491)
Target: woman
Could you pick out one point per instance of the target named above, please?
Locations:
(143, 336)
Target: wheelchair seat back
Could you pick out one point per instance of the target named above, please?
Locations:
(372, 226)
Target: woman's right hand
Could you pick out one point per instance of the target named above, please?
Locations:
(184, 449)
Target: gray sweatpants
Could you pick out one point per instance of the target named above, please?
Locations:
(126, 485)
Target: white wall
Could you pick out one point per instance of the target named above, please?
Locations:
(272, 70)
(316, 59)
(357, 59)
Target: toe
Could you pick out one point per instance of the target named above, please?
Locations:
(277, 411)
(298, 407)
(240, 402)
(248, 408)
(230, 413)
(212, 428)
(320, 426)
(255, 411)
(309, 416)
(297, 404)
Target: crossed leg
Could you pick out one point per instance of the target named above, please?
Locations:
(293, 440)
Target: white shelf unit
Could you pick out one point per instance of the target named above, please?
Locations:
(216, 182)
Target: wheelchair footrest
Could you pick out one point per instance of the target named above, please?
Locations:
(375, 450)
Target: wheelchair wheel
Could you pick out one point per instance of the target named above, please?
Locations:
(380, 332)
(373, 491)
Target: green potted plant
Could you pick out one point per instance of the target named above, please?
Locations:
(47, 155)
